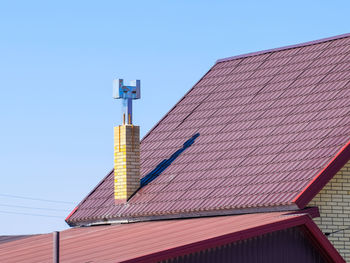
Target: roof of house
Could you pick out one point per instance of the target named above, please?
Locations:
(157, 240)
(258, 132)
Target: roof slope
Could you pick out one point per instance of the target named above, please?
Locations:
(272, 129)
(157, 240)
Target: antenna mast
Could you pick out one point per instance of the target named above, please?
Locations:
(127, 93)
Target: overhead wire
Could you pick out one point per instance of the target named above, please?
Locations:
(339, 230)
(35, 208)
(36, 199)
(32, 207)
(29, 214)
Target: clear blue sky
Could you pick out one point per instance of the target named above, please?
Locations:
(57, 62)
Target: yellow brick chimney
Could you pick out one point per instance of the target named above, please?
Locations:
(126, 161)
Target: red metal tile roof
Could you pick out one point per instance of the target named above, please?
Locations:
(157, 240)
(272, 125)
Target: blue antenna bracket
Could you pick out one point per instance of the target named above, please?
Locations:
(127, 94)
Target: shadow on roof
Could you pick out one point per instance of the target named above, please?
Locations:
(166, 162)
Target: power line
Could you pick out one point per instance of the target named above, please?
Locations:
(339, 230)
(28, 214)
(36, 199)
(37, 208)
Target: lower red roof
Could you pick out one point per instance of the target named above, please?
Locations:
(157, 240)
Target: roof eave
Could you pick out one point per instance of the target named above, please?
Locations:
(182, 215)
(288, 222)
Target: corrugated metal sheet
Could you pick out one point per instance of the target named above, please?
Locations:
(5, 239)
(268, 123)
(287, 246)
(154, 240)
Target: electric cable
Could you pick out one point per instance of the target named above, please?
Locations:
(36, 199)
(28, 214)
(339, 230)
(36, 208)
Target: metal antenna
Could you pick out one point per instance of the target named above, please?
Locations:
(127, 93)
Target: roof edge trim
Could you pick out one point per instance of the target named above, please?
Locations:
(321, 179)
(82, 201)
(308, 43)
(71, 213)
(180, 215)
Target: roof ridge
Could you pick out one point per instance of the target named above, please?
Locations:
(308, 43)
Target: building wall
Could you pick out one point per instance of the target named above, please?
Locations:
(287, 246)
(334, 204)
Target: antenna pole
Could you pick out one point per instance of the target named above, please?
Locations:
(56, 247)
(129, 110)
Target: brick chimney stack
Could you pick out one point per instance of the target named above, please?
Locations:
(126, 161)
